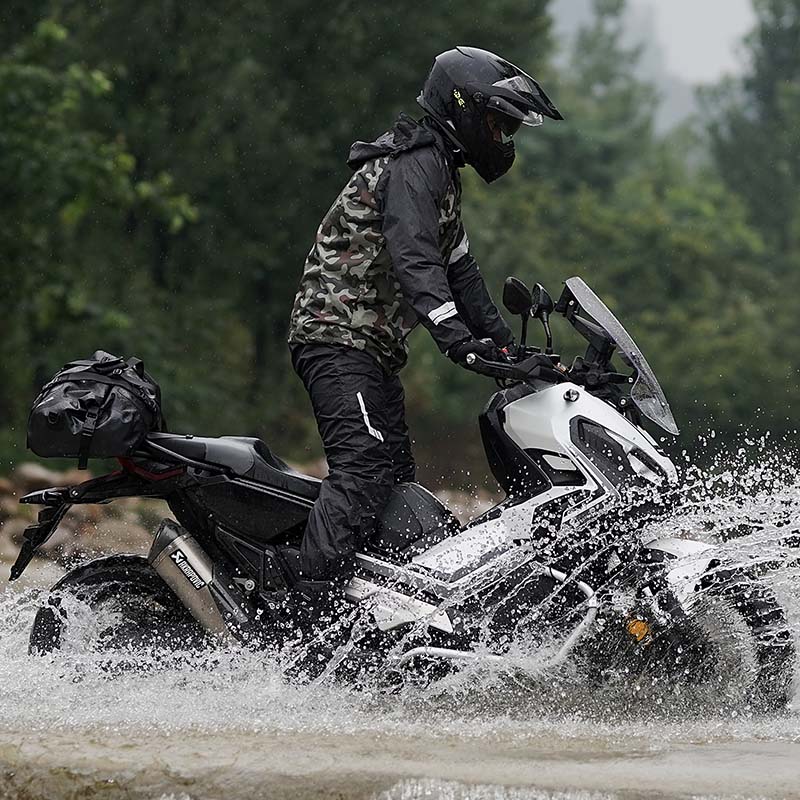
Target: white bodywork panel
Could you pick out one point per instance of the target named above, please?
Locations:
(542, 421)
(538, 421)
(472, 547)
(392, 609)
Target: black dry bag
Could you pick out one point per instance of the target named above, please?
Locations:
(102, 407)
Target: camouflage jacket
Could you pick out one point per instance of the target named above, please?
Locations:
(391, 252)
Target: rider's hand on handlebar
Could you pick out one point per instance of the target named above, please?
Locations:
(483, 348)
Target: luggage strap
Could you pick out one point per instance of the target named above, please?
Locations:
(136, 364)
(89, 427)
(135, 390)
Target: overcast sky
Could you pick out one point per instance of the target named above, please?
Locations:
(700, 37)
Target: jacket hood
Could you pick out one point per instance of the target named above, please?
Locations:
(405, 134)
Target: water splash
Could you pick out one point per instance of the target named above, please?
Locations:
(753, 507)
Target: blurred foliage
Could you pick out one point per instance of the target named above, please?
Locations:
(754, 124)
(58, 172)
(165, 167)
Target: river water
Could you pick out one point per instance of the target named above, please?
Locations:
(231, 724)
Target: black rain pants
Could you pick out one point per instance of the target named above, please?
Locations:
(360, 414)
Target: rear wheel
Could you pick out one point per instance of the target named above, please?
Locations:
(114, 604)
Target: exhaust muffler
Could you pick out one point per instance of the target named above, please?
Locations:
(208, 592)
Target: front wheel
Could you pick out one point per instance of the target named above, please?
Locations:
(115, 603)
(729, 643)
(764, 622)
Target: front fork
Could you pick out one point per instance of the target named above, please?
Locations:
(653, 592)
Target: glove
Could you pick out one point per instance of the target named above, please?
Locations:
(483, 348)
(543, 368)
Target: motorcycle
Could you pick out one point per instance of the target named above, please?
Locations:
(569, 558)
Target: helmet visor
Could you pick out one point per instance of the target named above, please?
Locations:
(508, 125)
(528, 91)
(513, 115)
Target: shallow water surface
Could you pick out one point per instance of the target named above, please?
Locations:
(230, 724)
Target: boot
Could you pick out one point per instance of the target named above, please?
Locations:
(317, 611)
(316, 606)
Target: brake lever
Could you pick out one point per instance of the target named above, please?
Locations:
(492, 369)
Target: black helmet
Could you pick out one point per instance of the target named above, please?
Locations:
(473, 93)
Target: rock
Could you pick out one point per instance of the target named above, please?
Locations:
(9, 507)
(87, 531)
(11, 537)
(109, 536)
(74, 476)
(81, 515)
(31, 477)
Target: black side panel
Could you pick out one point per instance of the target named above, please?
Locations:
(606, 453)
(557, 477)
(255, 514)
(412, 520)
(512, 468)
(265, 564)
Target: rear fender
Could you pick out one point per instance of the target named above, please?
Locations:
(48, 625)
(57, 502)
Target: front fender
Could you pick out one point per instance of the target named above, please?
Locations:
(692, 560)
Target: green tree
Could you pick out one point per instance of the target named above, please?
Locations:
(252, 107)
(168, 167)
(752, 129)
(609, 110)
(56, 172)
(754, 121)
(667, 245)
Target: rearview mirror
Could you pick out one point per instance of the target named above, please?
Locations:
(517, 297)
(541, 304)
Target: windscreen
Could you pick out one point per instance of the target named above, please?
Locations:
(645, 392)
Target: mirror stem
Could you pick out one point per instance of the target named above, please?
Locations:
(524, 336)
(547, 332)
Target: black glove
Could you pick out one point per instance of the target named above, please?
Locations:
(483, 348)
(543, 368)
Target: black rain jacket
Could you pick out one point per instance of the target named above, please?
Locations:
(392, 251)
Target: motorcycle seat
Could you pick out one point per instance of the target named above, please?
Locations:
(244, 456)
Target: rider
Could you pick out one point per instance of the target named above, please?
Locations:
(392, 252)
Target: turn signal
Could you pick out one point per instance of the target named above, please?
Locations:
(638, 628)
